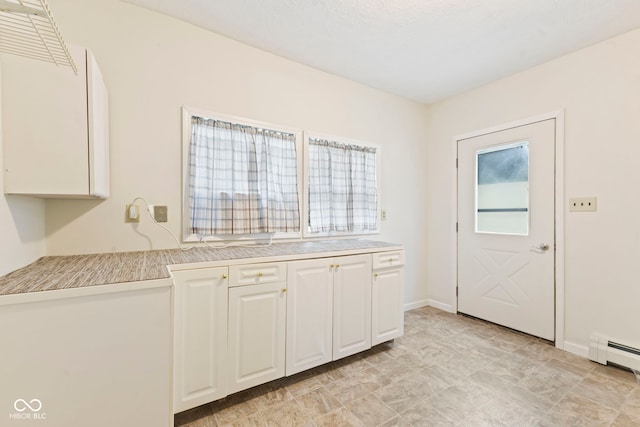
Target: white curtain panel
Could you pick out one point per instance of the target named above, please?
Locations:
(242, 179)
(342, 187)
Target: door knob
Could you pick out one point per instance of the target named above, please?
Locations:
(541, 247)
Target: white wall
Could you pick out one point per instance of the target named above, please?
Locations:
(153, 65)
(599, 88)
(22, 229)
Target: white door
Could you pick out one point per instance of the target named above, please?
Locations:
(506, 235)
(309, 314)
(351, 305)
(257, 316)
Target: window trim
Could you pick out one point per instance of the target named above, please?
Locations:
(306, 233)
(187, 113)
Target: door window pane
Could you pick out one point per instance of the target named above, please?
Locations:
(502, 189)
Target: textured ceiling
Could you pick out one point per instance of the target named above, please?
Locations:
(426, 50)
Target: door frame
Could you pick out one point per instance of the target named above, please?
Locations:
(558, 116)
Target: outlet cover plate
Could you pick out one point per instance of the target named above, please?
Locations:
(160, 213)
(583, 204)
(132, 213)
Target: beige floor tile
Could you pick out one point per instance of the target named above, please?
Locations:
(269, 398)
(578, 405)
(234, 408)
(394, 370)
(631, 406)
(318, 402)
(512, 368)
(340, 417)
(551, 385)
(507, 390)
(617, 373)
(502, 412)
(302, 385)
(358, 385)
(606, 391)
(425, 414)
(624, 420)
(285, 414)
(560, 418)
(539, 350)
(397, 421)
(397, 395)
(457, 402)
(370, 410)
(466, 363)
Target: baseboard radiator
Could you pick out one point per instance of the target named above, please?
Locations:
(604, 351)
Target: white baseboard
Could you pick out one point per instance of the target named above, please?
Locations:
(442, 306)
(429, 303)
(417, 304)
(578, 349)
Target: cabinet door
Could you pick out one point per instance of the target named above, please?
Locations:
(351, 305)
(52, 147)
(200, 337)
(256, 334)
(387, 321)
(309, 314)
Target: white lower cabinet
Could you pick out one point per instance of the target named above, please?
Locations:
(351, 305)
(387, 319)
(257, 316)
(328, 310)
(309, 314)
(200, 337)
(244, 325)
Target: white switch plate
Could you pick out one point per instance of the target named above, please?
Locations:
(583, 204)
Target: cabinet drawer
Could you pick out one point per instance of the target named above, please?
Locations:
(388, 259)
(251, 274)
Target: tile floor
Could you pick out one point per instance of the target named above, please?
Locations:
(447, 370)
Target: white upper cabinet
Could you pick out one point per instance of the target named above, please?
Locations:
(55, 128)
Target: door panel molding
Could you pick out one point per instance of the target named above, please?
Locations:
(558, 116)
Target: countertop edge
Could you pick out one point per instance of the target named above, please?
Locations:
(280, 258)
(29, 297)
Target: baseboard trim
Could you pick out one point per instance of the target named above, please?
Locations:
(417, 304)
(442, 306)
(578, 349)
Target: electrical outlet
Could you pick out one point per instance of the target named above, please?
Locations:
(160, 213)
(583, 204)
(383, 215)
(132, 213)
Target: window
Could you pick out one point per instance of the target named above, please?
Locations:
(342, 187)
(502, 191)
(241, 178)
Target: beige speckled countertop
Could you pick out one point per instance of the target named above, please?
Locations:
(77, 271)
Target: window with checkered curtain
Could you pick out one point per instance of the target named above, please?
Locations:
(242, 179)
(343, 194)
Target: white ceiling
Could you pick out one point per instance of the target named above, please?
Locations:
(425, 50)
